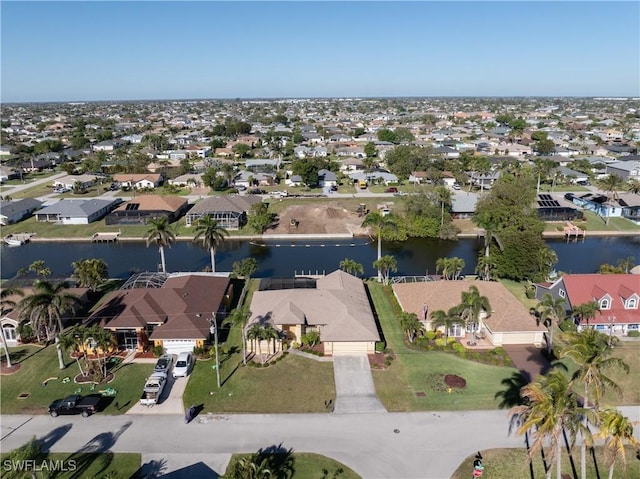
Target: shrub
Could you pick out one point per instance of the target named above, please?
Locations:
(430, 335)
(440, 342)
(634, 334)
(310, 339)
(568, 326)
(380, 346)
(157, 351)
(458, 348)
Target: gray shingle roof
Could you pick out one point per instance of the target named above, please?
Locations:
(77, 208)
(235, 203)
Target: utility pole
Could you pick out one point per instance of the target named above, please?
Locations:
(214, 330)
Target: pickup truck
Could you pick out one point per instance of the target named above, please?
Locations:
(153, 389)
(75, 404)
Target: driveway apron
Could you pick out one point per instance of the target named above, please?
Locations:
(170, 400)
(355, 392)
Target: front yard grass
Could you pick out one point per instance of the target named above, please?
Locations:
(292, 385)
(409, 372)
(307, 465)
(511, 463)
(38, 364)
(86, 464)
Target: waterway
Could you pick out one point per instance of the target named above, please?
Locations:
(285, 258)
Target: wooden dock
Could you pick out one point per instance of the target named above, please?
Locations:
(105, 237)
(573, 233)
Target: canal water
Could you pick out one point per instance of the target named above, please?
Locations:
(285, 258)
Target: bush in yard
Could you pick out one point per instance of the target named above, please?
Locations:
(458, 348)
(430, 335)
(380, 347)
(568, 326)
(440, 342)
(311, 339)
(157, 351)
(634, 334)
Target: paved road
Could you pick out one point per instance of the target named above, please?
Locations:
(12, 189)
(426, 445)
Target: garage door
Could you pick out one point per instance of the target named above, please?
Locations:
(177, 346)
(351, 347)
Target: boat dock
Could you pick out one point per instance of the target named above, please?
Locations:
(573, 233)
(105, 237)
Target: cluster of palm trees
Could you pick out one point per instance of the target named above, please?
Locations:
(208, 231)
(551, 410)
(451, 267)
(257, 333)
(82, 341)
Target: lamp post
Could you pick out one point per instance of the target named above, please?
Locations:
(214, 330)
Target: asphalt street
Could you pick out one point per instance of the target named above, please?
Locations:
(426, 445)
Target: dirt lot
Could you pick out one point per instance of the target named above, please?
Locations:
(318, 219)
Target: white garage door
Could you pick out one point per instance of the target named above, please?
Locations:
(350, 347)
(177, 346)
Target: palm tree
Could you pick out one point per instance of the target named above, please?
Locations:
(46, 306)
(550, 408)
(552, 310)
(238, 317)
(610, 186)
(211, 234)
(270, 333)
(90, 273)
(71, 342)
(385, 265)
(444, 197)
(590, 351)
(616, 430)
(442, 264)
(447, 319)
(162, 234)
(351, 266)
(471, 306)
(634, 186)
(457, 265)
(256, 334)
(586, 311)
(381, 225)
(6, 305)
(485, 267)
(250, 468)
(410, 325)
(103, 341)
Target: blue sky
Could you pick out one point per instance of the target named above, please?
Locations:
(64, 51)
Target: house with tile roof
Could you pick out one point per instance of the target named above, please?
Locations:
(508, 322)
(176, 315)
(617, 295)
(144, 207)
(138, 180)
(230, 211)
(335, 305)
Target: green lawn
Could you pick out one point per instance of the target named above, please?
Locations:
(408, 373)
(293, 385)
(97, 465)
(512, 463)
(308, 465)
(517, 289)
(39, 364)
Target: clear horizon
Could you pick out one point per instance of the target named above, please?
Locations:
(153, 51)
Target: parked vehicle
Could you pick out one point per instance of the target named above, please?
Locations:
(257, 191)
(164, 364)
(75, 404)
(183, 365)
(456, 186)
(153, 388)
(584, 183)
(393, 189)
(363, 184)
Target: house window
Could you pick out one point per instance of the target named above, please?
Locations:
(9, 333)
(605, 303)
(632, 303)
(562, 293)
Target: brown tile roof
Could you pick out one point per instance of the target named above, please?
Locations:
(155, 203)
(508, 315)
(339, 305)
(182, 307)
(135, 177)
(583, 288)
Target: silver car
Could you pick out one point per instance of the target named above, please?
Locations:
(183, 365)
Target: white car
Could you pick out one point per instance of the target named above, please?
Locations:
(183, 365)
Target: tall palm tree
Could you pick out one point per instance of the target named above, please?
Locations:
(457, 265)
(270, 334)
(46, 306)
(550, 409)
(586, 311)
(616, 430)
(591, 352)
(634, 186)
(256, 334)
(611, 185)
(381, 225)
(444, 197)
(552, 311)
(71, 342)
(471, 305)
(162, 234)
(7, 304)
(447, 319)
(211, 234)
(238, 317)
(410, 325)
(442, 264)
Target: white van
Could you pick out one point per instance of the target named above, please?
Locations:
(183, 365)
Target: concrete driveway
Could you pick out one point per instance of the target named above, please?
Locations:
(170, 400)
(355, 392)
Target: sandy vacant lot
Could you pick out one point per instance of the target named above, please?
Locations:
(318, 219)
